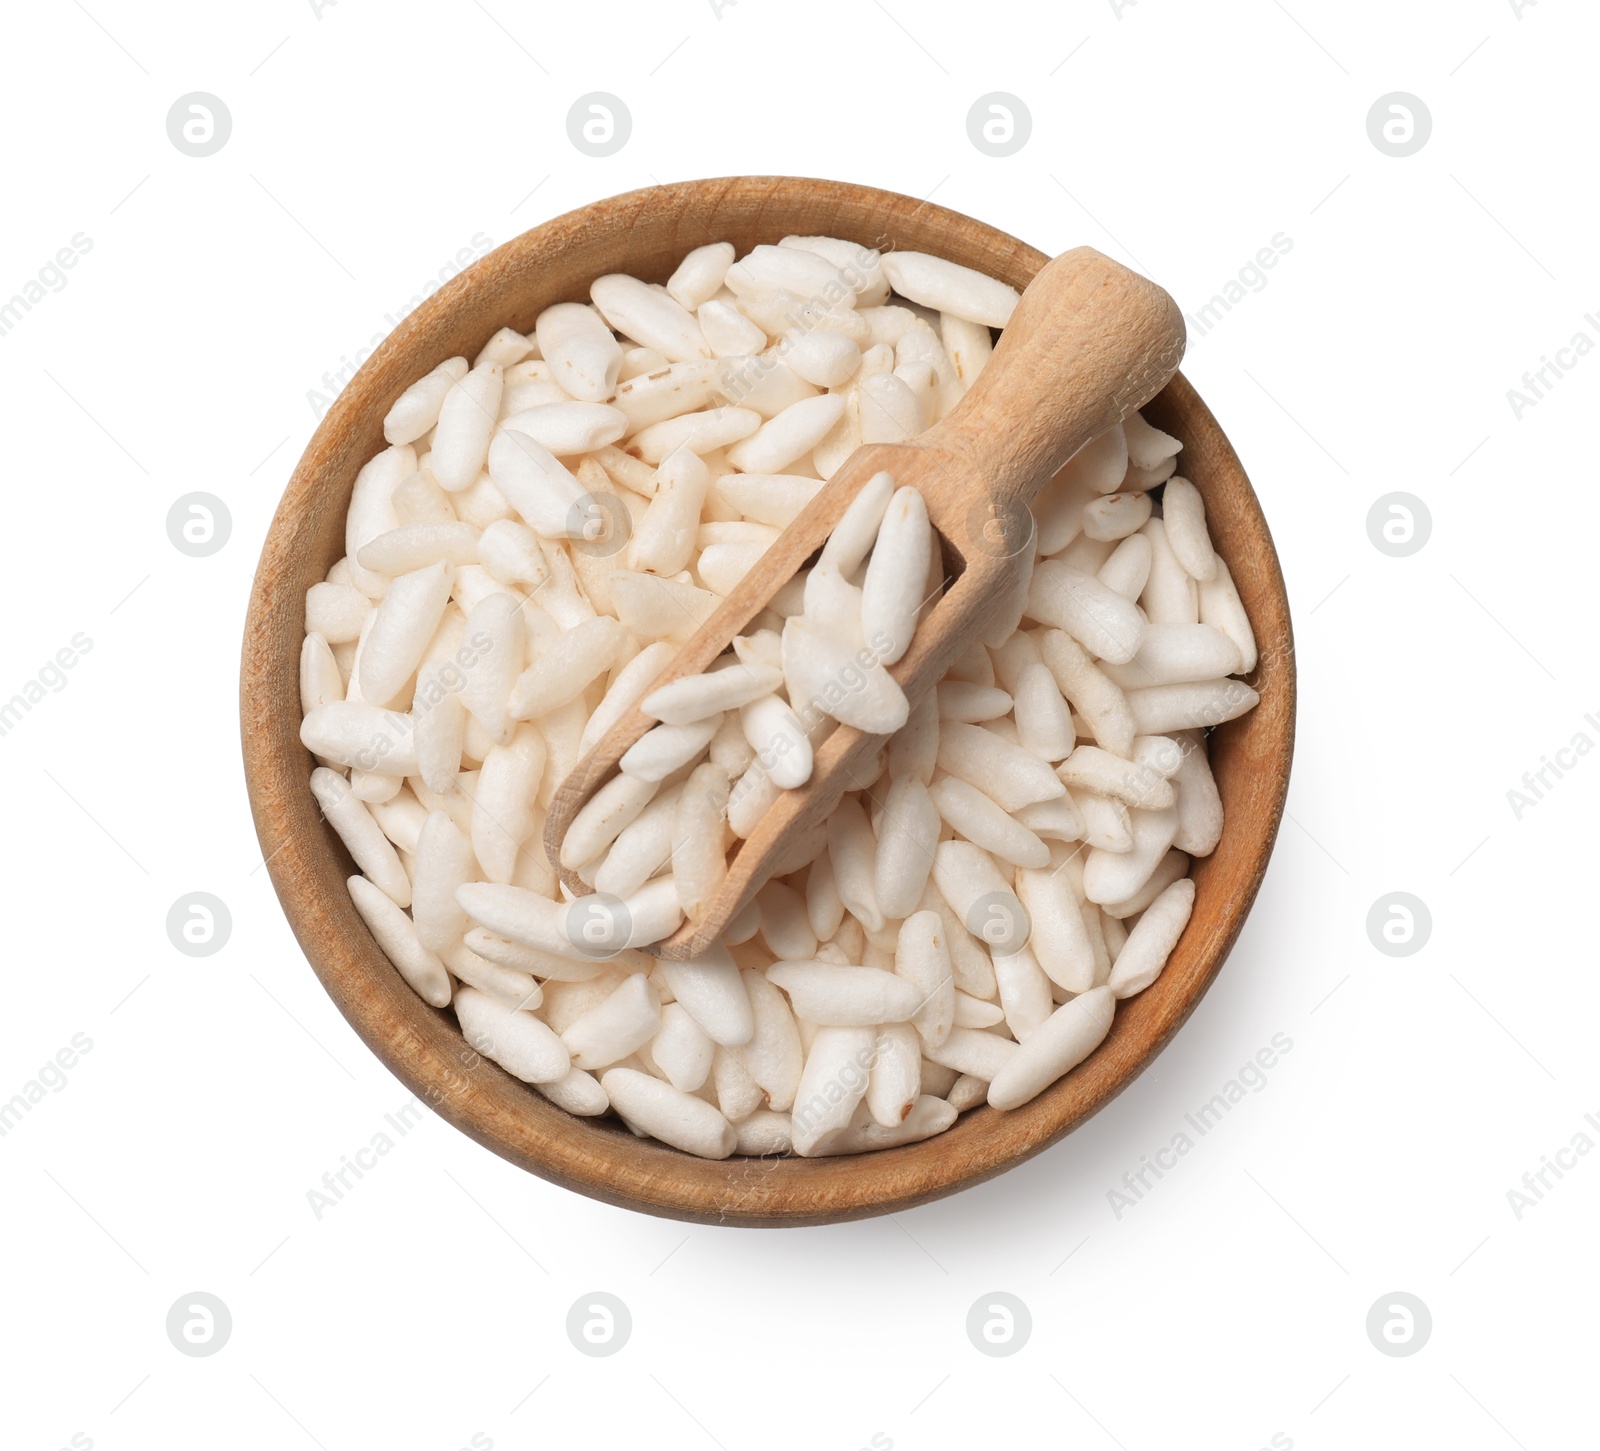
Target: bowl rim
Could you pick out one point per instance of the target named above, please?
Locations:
(423, 1047)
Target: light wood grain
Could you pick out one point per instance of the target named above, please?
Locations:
(1090, 341)
(646, 233)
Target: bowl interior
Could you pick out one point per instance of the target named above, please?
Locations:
(646, 233)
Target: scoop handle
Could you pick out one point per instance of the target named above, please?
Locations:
(1089, 342)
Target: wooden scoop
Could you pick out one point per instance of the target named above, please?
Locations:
(1089, 342)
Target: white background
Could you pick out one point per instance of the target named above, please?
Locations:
(1226, 1307)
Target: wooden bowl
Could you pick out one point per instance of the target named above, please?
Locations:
(646, 233)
